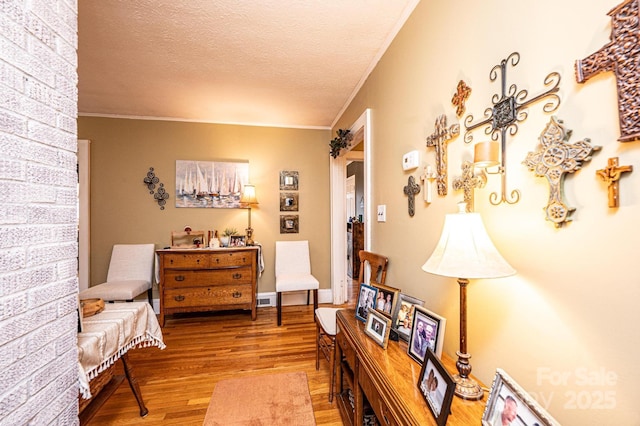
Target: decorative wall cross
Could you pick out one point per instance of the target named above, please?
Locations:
(611, 175)
(427, 178)
(509, 108)
(411, 190)
(620, 55)
(460, 97)
(439, 140)
(554, 158)
(468, 183)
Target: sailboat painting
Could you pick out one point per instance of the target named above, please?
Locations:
(210, 184)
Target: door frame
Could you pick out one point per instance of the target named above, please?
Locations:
(338, 177)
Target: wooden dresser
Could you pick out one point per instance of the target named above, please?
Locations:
(207, 280)
(371, 379)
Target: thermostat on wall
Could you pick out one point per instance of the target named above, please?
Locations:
(410, 160)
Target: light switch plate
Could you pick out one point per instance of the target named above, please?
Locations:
(410, 160)
(382, 213)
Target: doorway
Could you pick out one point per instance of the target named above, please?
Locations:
(340, 280)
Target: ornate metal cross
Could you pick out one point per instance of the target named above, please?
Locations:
(468, 183)
(460, 97)
(439, 140)
(509, 108)
(620, 55)
(411, 190)
(554, 158)
(611, 175)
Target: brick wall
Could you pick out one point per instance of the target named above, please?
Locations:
(38, 213)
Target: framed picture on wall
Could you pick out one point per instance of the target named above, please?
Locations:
(289, 224)
(210, 184)
(288, 201)
(288, 180)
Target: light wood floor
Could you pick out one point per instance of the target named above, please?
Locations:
(202, 349)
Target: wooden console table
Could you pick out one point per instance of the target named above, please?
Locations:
(197, 280)
(386, 381)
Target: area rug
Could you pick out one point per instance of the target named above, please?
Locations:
(275, 399)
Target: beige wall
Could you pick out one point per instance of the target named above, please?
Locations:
(565, 325)
(123, 211)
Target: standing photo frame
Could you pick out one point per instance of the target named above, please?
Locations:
(427, 331)
(386, 299)
(378, 327)
(437, 387)
(288, 180)
(402, 317)
(366, 299)
(510, 400)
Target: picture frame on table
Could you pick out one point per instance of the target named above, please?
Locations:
(427, 331)
(366, 299)
(378, 327)
(386, 299)
(402, 317)
(508, 398)
(437, 387)
(288, 180)
(237, 241)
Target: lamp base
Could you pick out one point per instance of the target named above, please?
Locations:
(249, 240)
(467, 388)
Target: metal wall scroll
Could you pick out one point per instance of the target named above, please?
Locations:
(620, 55)
(611, 175)
(509, 108)
(160, 196)
(468, 182)
(439, 139)
(411, 190)
(555, 158)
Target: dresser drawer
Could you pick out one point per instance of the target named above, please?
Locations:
(231, 258)
(380, 407)
(188, 260)
(214, 296)
(207, 277)
(347, 349)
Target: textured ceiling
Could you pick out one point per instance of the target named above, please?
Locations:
(290, 63)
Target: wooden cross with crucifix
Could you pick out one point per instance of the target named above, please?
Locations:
(468, 183)
(611, 175)
(509, 108)
(620, 55)
(439, 140)
(554, 158)
(460, 97)
(426, 178)
(411, 190)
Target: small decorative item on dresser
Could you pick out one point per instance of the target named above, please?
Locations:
(402, 317)
(386, 299)
(378, 327)
(437, 387)
(508, 400)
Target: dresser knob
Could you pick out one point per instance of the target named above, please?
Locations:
(179, 278)
(237, 294)
(178, 298)
(237, 276)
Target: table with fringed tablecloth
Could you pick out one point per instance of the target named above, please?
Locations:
(106, 338)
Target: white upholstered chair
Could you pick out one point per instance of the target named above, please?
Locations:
(325, 318)
(130, 274)
(293, 272)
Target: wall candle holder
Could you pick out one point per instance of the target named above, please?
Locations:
(509, 108)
